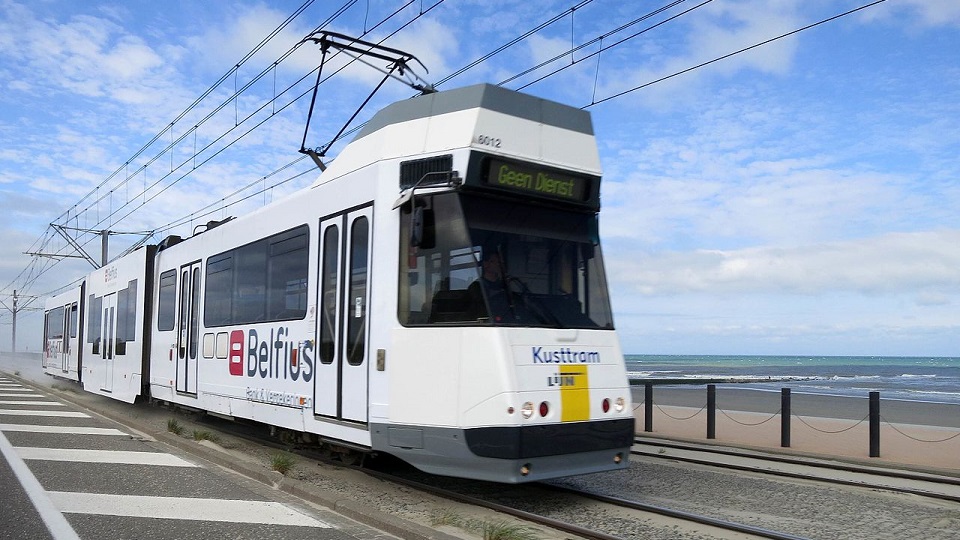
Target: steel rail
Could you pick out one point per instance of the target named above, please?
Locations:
(683, 515)
(801, 476)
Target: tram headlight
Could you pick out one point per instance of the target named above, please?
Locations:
(527, 410)
(620, 404)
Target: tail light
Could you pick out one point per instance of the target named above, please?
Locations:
(605, 405)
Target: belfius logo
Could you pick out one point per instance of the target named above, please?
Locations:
(274, 356)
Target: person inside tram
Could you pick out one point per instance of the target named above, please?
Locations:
(492, 285)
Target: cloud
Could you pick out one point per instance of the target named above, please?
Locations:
(922, 263)
(920, 13)
(242, 29)
(702, 35)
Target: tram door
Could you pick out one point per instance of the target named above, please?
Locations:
(69, 335)
(340, 389)
(188, 329)
(108, 334)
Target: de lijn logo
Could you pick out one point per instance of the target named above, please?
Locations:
(273, 357)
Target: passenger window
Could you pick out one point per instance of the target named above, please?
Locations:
(357, 299)
(328, 294)
(167, 304)
(262, 281)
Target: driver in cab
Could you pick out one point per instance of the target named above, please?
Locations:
(491, 286)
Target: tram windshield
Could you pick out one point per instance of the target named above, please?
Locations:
(490, 261)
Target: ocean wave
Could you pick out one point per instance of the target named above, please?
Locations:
(912, 376)
(933, 392)
(853, 377)
(653, 376)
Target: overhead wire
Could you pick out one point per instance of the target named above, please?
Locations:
(48, 264)
(223, 78)
(203, 212)
(44, 240)
(600, 39)
(512, 42)
(734, 53)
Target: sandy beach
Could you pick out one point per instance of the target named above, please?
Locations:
(913, 434)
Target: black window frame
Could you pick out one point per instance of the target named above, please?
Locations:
(254, 283)
(167, 301)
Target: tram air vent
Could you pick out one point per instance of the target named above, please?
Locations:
(412, 171)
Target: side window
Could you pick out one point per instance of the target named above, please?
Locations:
(55, 323)
(184, 298)
(435, 279)
(126, 316)
(194, 313)
(250, 293)
(123, 300)
(287, 275)
(167, 302)
(262, 281)
(96, 317)
(328, 294)
(357, 299)
(218, 291)
(74, 320)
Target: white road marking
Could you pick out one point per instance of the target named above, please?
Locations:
(45, 403)
(52, 518)
(22, 394)
(60, 414)
(102, 456)
(233, 511)
(67, 430)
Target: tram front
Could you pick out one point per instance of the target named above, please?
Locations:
(502, 295)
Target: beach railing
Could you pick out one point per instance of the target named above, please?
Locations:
(786, 413)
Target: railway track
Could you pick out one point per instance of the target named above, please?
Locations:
(637, 510)
(479, 494)
(924, 484)
(504, 499)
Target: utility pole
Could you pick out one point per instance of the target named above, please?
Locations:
(14, 310)
(15, 307)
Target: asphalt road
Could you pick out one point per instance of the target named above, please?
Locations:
(66, 473)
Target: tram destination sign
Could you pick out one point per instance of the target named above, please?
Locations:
(538, 181)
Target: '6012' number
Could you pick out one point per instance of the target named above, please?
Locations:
(488, 141)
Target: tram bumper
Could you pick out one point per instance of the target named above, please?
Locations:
(512, 454)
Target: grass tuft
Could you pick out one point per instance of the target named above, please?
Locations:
(447, 517)
(205, 436)
(282, 462)
(501, 530)
(174, 427)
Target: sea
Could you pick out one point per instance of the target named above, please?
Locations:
(930, 379)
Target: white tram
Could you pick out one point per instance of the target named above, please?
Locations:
(61, 342)
(437, 294)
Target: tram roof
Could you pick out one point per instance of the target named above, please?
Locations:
(485, 96)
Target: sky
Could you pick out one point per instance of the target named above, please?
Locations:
(798, 198)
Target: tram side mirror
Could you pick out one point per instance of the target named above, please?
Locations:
(416, 226)
(422, 228)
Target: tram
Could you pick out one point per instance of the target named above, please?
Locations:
(438, 294)
(61, 324)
